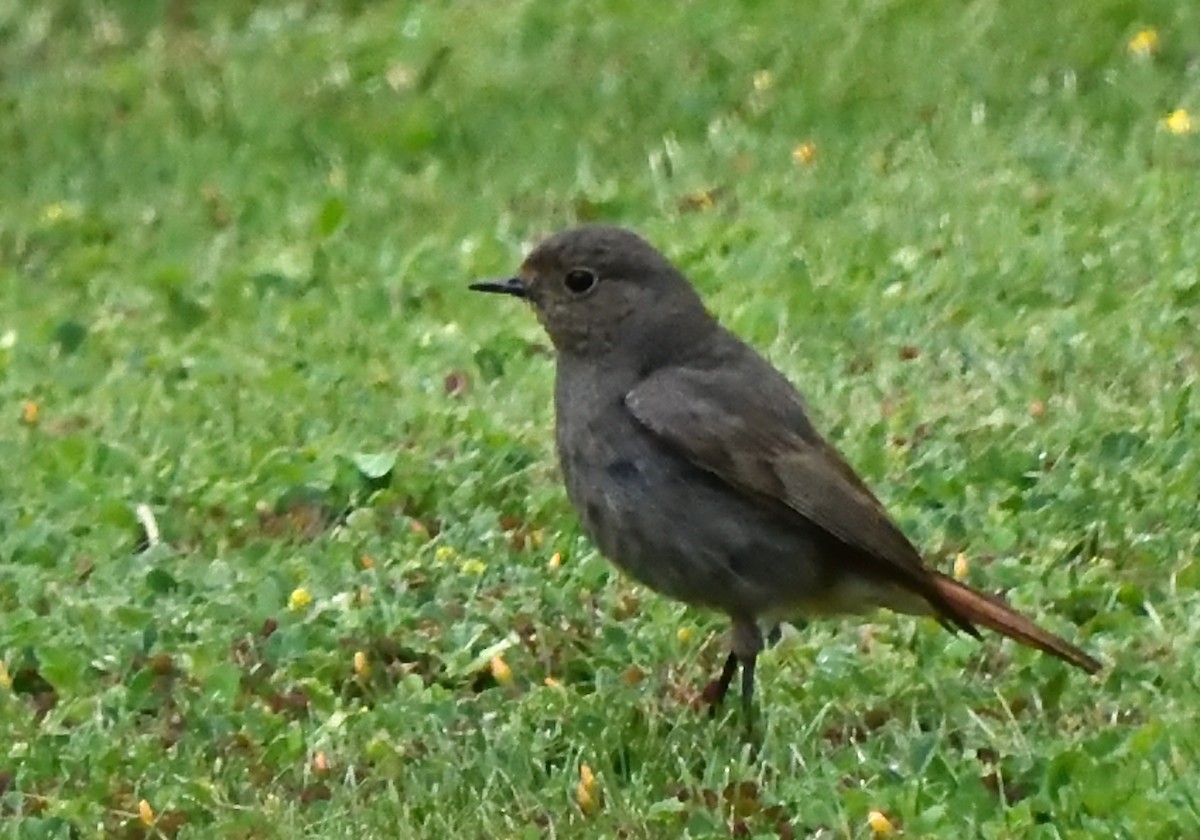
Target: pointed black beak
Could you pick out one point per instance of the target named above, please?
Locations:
(514, 286)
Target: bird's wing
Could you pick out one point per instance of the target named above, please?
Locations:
(749, 428)
(760, 442)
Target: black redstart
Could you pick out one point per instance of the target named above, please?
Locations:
(695, 468)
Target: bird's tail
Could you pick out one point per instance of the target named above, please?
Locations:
(989, 611)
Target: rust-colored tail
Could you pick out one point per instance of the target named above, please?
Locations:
(989, 611)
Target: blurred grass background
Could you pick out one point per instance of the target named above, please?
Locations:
(234, 243)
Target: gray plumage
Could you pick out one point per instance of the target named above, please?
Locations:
(695, 468)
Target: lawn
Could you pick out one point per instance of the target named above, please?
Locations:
(283, 547)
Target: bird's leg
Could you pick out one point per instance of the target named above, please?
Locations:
(714, 693)
(748, 689)
(747, 643)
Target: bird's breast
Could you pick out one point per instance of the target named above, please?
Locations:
(677, 528)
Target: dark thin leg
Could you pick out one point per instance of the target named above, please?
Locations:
(727, 672)
(747, 643)
(748, 690)
(716, 690)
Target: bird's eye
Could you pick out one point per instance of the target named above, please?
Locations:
(579, 280)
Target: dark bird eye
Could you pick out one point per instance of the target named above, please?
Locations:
(579, 280)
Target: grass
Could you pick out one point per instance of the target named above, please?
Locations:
(234, 244)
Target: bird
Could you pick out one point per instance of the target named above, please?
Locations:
(694, 465)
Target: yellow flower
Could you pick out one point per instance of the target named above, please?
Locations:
(684, 634)
(444, 553)
(501, 672)
(805, 154)
(550, 682)
(586, 793)
(555, 560)
(763, 80)
(699, 201)
(29, 413)
(361, 666)
(880, 825)
(145, 813)
(57, 211)
(1178, 121)
(5, 677)
(299, 599)
(1144, 43)
(474, 566)
(960, 566)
